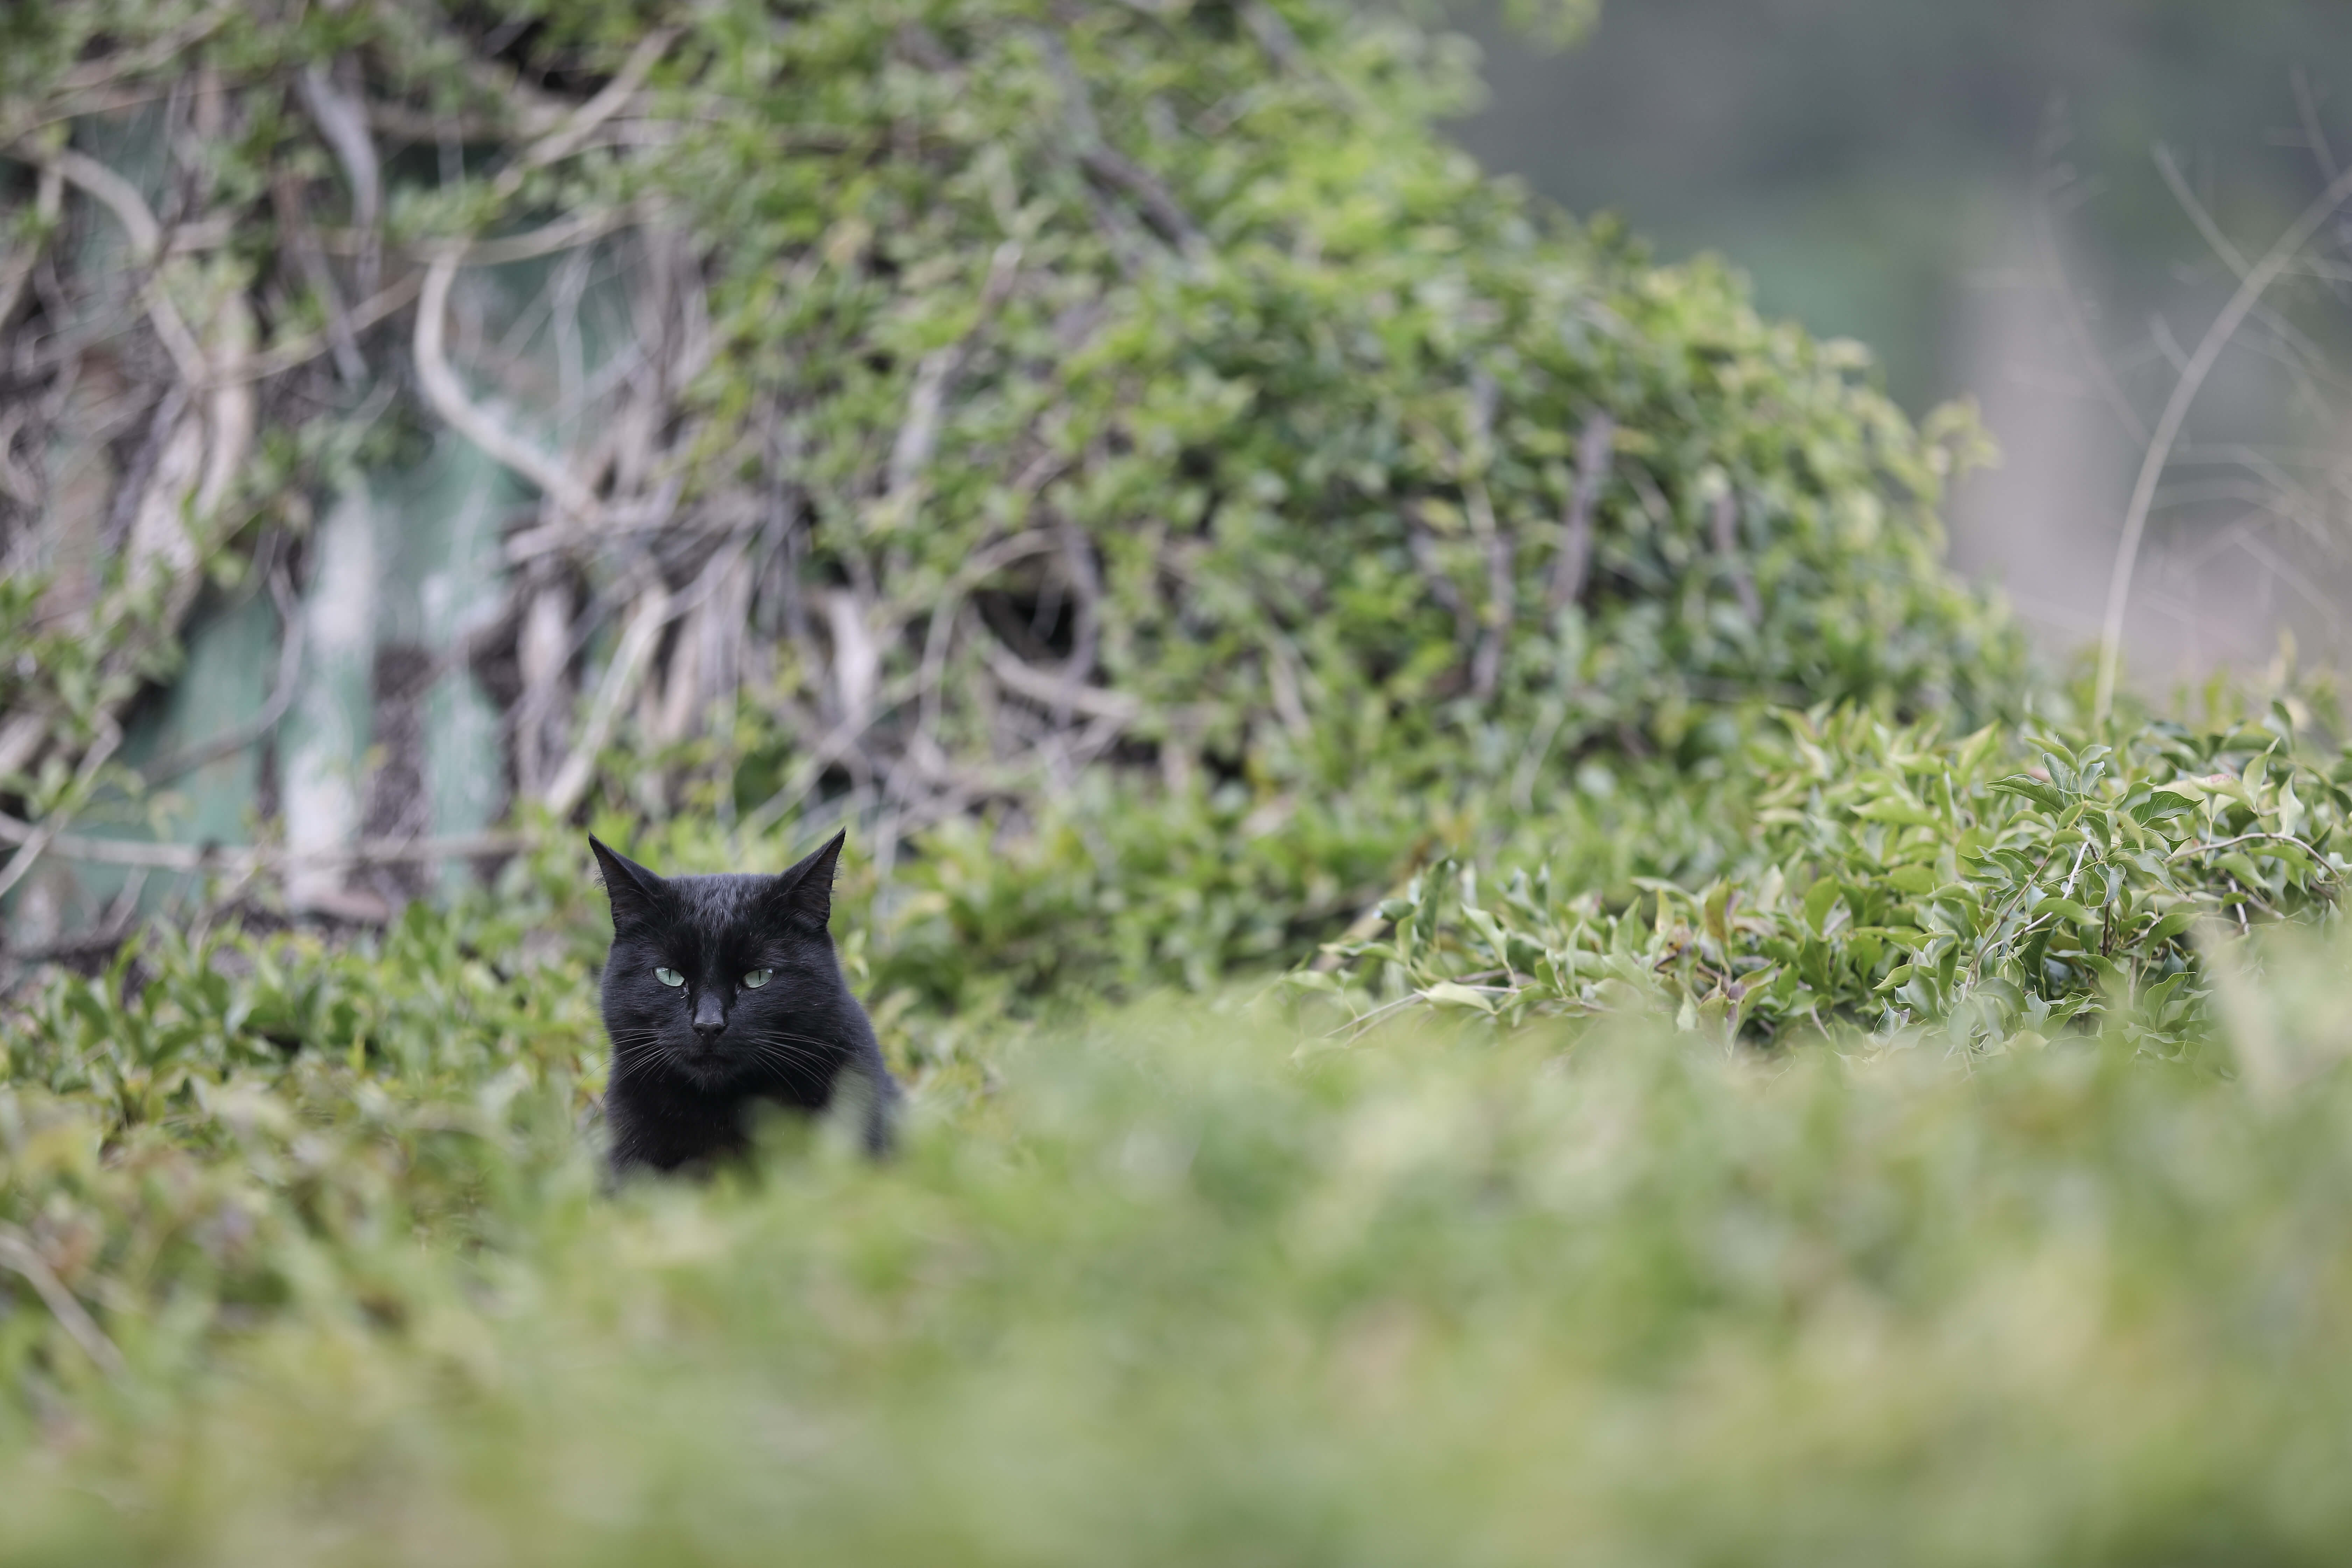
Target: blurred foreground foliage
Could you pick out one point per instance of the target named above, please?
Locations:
(1160, 1286)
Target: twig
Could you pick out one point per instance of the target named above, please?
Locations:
(1593, 450)
(2176, 414)
(1725, 522)
(300, 239)
(935, 377)
(1160, 207)
(2053, 267)
(300, 351)
(1486, 663)
(1051, 690)
(1367, 924)
(1532, 758)
(567, 138)
(121, 197)
(344, 124)
(1104, 164)
(281, 697)
(562, 234)
(2189, 849)
(994, 558)
(2185, 195)
(49, 199)
(159, 52)
(243, 859)
(620, 680)
(20, 1257)
(36, 839)
(449, 399)
(1274, 35)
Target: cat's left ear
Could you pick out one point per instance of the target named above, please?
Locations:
(805, 892)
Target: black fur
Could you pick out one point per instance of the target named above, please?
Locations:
(689, 1060)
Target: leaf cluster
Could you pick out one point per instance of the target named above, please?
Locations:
(1898, 883)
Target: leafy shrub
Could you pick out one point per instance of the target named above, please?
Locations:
(1895, 880)
(1150, 392)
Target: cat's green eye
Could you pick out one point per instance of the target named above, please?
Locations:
(756, 979)
(669, 977)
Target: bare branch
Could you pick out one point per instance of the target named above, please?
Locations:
(1724, 518)
(1593, 451)
(344, 123)
(1106, 167)
(2233, 257)
(2176, 414)
(18, 272)
(447, 396)
(130, 208)
(2047, 180)
(303, 241)
(613, 693)
(247, 859)
(935, 377)
(1051, 690)
(281, 697)
(1160, 207)
(567, 138)
(36, 839)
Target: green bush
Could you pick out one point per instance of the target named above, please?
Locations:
(1895, 882)
(1132, 391)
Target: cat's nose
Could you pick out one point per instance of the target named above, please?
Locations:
(709, 1016)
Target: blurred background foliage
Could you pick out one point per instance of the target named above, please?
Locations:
(1979, 193)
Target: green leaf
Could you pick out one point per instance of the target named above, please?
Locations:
(1447, 994)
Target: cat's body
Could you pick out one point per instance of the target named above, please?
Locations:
(722, 992)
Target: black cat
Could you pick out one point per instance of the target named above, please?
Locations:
(722, 990)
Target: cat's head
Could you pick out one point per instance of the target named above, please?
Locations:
(721, 979)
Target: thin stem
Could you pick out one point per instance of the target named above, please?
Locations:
(2176, 414)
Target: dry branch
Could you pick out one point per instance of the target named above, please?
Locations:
(613, 693)
(247, 859)
(344, 123)
(281, 697)
(2251, 290)
(1724, 523)
(447, 395)
(38, 839)
(1051, 690)
(567, 138)
(1593, 449)
(130, 208)
(17, 274)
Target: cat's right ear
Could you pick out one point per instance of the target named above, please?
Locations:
(636, 892)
